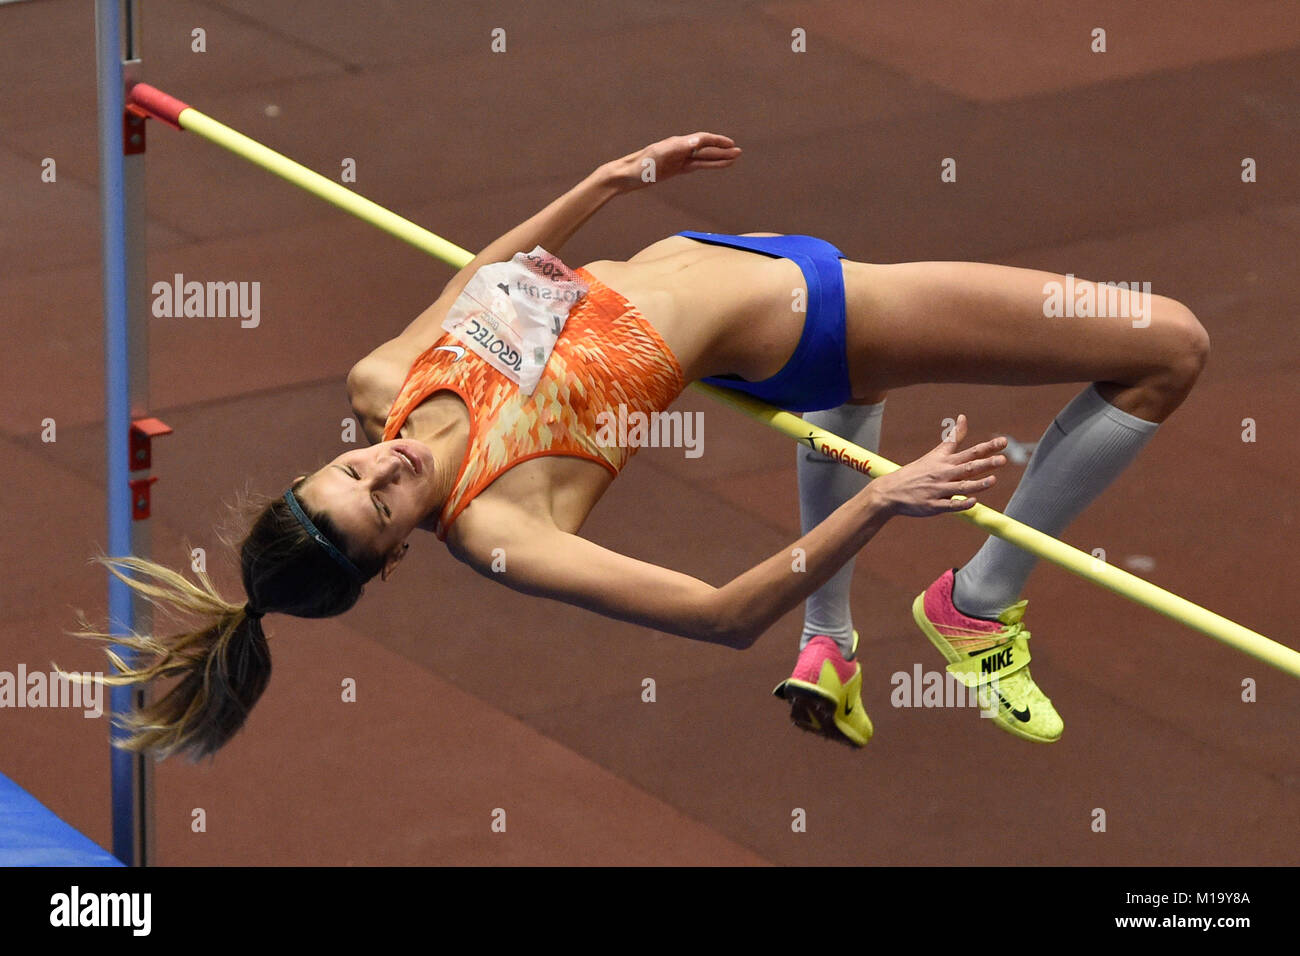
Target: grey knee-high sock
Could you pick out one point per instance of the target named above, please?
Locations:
(1081, 453)
(824, 485)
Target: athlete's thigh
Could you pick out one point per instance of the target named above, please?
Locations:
(917, 322)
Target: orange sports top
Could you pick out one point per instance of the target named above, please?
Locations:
(607, 355)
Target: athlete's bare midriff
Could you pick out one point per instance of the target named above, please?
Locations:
(720, 310)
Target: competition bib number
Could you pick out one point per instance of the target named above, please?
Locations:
(511, 314)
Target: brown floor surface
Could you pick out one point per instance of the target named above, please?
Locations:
(1123, 165)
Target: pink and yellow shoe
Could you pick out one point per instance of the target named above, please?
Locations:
(992, 656)
(825, 693)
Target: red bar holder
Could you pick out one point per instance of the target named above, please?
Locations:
(143, 431)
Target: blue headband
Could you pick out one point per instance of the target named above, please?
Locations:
(323, 541)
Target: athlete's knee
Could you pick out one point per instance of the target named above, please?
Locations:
(1181, 349)
(1188, 349)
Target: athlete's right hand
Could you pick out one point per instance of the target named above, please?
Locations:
(926, 486)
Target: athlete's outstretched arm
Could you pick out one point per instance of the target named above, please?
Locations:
(545, 561)
(553, 226)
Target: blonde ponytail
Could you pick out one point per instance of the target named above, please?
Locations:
(223, 666)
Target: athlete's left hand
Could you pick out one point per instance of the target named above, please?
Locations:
(672, 156)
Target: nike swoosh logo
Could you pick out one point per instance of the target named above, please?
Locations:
(457, 350)
(1020, 715)
(848, 708)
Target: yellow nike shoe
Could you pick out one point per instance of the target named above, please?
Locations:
(992, 656)
(825, 693)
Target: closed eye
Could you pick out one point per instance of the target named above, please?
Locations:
(382, 508)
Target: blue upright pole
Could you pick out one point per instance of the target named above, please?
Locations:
(117, 410)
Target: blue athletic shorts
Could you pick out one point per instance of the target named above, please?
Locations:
(817, 375)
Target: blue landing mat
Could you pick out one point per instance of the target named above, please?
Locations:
(30, 835)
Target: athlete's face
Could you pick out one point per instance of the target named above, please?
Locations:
(377, 495)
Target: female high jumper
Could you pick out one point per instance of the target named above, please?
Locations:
(496, 472)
